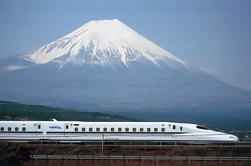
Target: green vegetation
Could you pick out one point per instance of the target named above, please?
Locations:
(16, 111)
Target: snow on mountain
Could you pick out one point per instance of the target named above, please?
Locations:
(14, 67)
(103, 42)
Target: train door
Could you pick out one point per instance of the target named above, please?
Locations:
(66, 128)
(40, 128)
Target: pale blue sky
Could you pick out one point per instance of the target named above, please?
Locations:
(210, 34)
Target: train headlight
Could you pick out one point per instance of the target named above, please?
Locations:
(234, 138)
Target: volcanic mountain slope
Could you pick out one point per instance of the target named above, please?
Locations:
(107, 65)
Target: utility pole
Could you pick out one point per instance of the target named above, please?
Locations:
(102, 144)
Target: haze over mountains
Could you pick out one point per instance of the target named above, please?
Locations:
(106, 65)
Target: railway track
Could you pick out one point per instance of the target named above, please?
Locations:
(134, 153)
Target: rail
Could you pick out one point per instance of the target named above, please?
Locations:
(180, 158)
(139, 144)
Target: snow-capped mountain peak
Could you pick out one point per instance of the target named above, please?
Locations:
(103, 42)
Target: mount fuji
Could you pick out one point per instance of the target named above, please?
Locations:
(102, 43)
(107, 65)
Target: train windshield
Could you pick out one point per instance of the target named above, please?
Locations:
(202, 127)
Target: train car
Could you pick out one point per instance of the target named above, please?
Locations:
(95, 131)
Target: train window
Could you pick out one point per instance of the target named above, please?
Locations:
(134, 129)
(39, 127)
(181, 128)
(67, 126)
(141, 129)
(90, 129)
(163, 129)
(105, 129)
(119, 129)
(9, 128)
(174, 127)
(2, 128)
(112, 129)
(126, 129)
(76, 124)
(156, 129)
(16, 129)
(98, 129)
(23, 129)
(201, 127)
(148, 129)
(76, 129)
(83, 129)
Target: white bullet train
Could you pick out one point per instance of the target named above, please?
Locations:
(125, 131)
